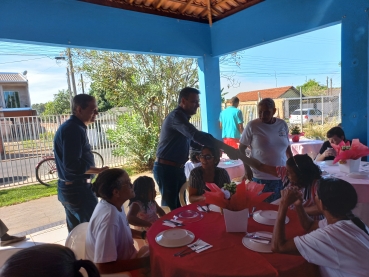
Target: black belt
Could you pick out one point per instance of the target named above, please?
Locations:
(88, 181)
(162, 161)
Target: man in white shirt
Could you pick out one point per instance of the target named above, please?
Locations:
(339, 244)
(267, 137)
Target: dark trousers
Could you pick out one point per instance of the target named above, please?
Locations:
(271, 186)
(79, 202)
(170, 180)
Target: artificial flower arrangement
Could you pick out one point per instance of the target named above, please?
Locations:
(345, 151)
(295, 133)
(235, 197)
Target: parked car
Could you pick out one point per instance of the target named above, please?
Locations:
(309, 115)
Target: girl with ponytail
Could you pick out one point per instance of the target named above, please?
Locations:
(339, 244)
(47, 260)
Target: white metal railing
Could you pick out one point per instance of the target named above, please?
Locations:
(27, 140)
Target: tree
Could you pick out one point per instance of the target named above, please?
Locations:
(60, 104)
(39, 108)
(312, 88)
(147, 85)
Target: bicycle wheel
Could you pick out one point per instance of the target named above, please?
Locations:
(99, 161)
(46, 171)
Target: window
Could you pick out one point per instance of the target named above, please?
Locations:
(312, 112)
(11, 99)
(318, 112)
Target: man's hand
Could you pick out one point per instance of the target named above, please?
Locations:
(329, 152)
(248, 173)
(291, 195)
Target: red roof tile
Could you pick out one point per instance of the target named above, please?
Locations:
(12, 78)
(264, 93)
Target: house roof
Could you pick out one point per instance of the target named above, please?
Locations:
(6, 77)
(206, 11)
(264, 93)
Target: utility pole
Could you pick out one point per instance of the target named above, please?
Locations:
(72, 71)
(331, 88)
(83, 87)
(327, 87)
(275, 75)
(70, 92)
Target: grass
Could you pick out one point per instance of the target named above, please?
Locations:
(23, 194)
(26, 193)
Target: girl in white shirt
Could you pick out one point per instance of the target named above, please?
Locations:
(109, 240)
(339, 244)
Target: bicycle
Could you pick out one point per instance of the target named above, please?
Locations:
(46, 169)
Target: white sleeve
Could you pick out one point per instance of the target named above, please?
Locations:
(246, 136)
(106, 244)
(317, 248)
(288, 131)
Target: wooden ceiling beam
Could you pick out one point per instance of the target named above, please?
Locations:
(205, 12)
(158, 4)
(209, 13)
(183, 9)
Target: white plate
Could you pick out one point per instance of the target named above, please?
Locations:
(214, 208)
(326, 163)
(267, 217)
(358, 175)
(257, 246)
(175, 237)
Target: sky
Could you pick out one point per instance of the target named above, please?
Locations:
(288, 62)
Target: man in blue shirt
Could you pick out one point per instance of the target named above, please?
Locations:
(231, 123)
(174, 143)
(75, 162)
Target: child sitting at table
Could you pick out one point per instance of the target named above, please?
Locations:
(109, 239)
(339, 244)
(143, 209)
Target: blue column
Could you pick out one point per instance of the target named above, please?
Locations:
(355, 75)
(210, 99)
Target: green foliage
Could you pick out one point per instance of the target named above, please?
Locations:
(312, 88)
(295, 130)
(135, 140)
(145, 84)
(315, 131)
(60, 104)
(39, 108)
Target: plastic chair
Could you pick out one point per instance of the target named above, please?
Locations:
(76, 241)
(182, 198)
(6, 254)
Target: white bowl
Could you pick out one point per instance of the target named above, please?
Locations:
(174, 237)
(330, 163)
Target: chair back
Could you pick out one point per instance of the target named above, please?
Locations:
(76, 240)
(182, 196)
(6, 253)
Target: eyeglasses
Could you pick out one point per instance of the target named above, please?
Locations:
(206, 157)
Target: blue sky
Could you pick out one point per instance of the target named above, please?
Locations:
(291, 61)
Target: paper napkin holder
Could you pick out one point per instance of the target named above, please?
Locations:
(350, 166)
(236, 221)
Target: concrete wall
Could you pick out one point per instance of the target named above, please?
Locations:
(22, 92)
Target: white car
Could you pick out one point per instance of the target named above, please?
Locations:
(309, 115)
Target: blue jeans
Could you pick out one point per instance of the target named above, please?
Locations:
(271, 186)
(79, 202)
(170, 180)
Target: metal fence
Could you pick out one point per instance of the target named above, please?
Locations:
(296, 111)
(25, 141)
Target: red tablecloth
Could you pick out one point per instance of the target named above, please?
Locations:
(228, 256)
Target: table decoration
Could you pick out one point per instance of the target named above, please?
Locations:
(295, 133)
(235, 200)
(348, 156)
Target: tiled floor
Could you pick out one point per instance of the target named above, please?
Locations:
(56, 234)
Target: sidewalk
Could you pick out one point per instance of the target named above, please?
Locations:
(37, 215)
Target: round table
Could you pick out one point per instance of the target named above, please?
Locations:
(235, 168)
(227, 257)
(307, 146)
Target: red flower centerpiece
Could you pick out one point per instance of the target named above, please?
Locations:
(295, 133)
(236, 200)
(349, 156)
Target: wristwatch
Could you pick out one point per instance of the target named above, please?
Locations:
(143, 234)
